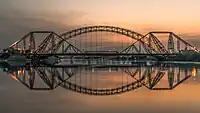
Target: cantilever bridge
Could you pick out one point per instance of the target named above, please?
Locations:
(139, 77)
(94, 41)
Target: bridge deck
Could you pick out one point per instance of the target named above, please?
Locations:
(100, 54)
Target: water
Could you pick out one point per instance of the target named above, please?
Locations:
(176, 90)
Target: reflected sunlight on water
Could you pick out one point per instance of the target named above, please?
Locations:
(100, 90)
(194, 72)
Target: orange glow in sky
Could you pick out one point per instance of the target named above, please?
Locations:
(179, 16)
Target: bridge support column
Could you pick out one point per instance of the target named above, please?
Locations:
(32, 43)
(171, 77)
(178, 46)
(171, 44)
(24, 44)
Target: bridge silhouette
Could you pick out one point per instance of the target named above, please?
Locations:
(43, 44)
(87, 49)
(53, 77)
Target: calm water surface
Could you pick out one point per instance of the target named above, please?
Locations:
(15, 97)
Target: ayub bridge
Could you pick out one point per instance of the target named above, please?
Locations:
(103, 42)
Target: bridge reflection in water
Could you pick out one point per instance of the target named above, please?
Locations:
(100, 80)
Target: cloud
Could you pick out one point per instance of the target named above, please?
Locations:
(13, 29)
(16, 23)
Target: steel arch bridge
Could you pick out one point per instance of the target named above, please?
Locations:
(48, 43)
(122, 31)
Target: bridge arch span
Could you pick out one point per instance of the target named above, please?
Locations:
(131, 35)
(102, 92)
(112, 29)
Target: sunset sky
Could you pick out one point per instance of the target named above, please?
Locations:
(18, 17)
(179, 16)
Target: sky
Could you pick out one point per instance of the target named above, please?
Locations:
(17, 17)
(21, 16)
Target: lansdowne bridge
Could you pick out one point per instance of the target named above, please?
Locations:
(83, 80)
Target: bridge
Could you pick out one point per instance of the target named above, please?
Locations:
(102, 42)
(76, 79)
(145, 59)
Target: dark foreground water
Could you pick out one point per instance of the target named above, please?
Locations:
(100, 90)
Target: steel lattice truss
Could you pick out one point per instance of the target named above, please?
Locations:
(60, 77)
(48, 42)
